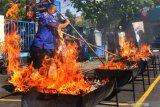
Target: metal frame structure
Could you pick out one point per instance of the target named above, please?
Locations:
(26, 30)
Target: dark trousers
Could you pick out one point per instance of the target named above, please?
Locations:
(38, 54)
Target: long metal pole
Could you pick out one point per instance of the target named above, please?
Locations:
(82, 38)
(79, 35)
(122, 58)
(10, 94)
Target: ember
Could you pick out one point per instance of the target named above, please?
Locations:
(114, 65)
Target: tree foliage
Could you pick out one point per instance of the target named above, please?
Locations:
(4, 4)
(86, 23)
(70, 16)
(110, 13)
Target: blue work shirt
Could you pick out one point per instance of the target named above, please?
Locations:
(45, 36)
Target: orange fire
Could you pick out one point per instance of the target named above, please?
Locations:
(12, 44)
(128, 48)
(114, 65)
(60, 33)
(129, 51)
(145, 52)
(61, 73)
(60, 42)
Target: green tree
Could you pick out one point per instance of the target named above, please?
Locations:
(85, 23)
(106, 14)
(4, 4)
(70, 16)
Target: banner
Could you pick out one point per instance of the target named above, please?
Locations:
(35, 7)
(139, 30)
(41, 7)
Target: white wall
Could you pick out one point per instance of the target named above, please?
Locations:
(1, 31)
(1, 28)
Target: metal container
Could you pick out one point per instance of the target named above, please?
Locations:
(37, 99)
(122, 76)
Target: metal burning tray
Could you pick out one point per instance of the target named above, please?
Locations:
(122, 76)
(37, 99)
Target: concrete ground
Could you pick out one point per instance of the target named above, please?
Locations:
(125, 98)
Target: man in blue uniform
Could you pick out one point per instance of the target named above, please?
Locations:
(45, 39)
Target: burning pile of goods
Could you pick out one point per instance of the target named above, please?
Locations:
(127, 64)
(129, 53)
(62, 73)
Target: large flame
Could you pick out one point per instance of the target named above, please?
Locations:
(12, 47)
(61, 73)
(145, 52)
(128, 48)
(129, 52)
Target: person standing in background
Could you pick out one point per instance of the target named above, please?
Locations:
(91, 40)
(82, 46)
